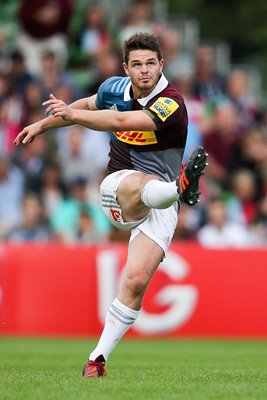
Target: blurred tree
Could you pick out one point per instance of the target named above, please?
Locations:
(242, 23)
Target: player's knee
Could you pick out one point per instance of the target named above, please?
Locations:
(136, 285)
(133, 184)
(145, 179)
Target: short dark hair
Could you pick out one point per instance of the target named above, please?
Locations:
(141, 41)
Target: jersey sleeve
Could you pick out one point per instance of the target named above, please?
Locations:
(167, 111)
(105, 87)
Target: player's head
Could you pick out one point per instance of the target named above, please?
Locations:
(141, 41)
(143, 62)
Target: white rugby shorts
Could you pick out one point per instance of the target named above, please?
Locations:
(159, 225)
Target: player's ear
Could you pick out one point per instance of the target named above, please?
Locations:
(161, 63)
(126, 69)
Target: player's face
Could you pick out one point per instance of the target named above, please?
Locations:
(144, 69)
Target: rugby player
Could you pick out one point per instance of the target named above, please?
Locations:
(145, 184)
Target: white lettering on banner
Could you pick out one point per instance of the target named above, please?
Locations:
(107, 278)
(182, 299)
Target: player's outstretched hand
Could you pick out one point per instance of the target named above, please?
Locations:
(58, 108)
(28, 134)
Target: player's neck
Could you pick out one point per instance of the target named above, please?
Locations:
(136, 93)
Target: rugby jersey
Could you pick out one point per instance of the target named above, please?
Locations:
(159, 152)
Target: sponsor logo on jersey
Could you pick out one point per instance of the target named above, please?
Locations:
(164, 107)
(116, 214)
(136, 137)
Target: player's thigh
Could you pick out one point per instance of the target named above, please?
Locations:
(129, 195)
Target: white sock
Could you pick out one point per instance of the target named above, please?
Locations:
(118, 320)
(157, 194)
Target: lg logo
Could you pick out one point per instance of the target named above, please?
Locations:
(181, 299)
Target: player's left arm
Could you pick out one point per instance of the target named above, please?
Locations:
(168, 112)
(102, 120)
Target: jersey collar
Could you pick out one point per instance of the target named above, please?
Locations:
(162, 84)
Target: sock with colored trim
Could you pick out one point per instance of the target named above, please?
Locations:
(118, 320)
(157, 194)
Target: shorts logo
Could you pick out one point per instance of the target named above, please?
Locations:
(136, 137)
(164, 107)
(116, 215)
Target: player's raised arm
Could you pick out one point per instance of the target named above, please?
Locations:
(101, 120)
(28, 134)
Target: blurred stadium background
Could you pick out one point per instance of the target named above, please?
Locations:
(61, 261)
(54, 236)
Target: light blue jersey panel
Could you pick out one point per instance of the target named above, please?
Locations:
(111, 93)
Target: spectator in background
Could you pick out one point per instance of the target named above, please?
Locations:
(260, 227)
(107, 64)
(32, 100)
(53, 79)
(219, 232)
(18, 74)
(207, 82)
(200, 119)
(139, 18)
(66, 218)
(221, 142)
(82, 152)
(196, 112)
(252, 150)
(263, 121)
(11, 194)
(189, 222)
(242, 205)
(96, 150)
(5, 51)
(52, 190)
(178, 62)
(252, 154)
(32, 227)
(264, 178)
(241, 97)
(10, 114)
(31, 161)
(44, 27)
(85, 231)
(96, 39)
(73, 161)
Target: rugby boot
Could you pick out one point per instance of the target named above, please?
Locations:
(95, 369)
(188, 179)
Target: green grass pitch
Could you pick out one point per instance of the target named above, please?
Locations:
(50, 369)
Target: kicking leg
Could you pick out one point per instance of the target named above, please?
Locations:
(137, 193)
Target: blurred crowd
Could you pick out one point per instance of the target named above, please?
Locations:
(49, 189)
